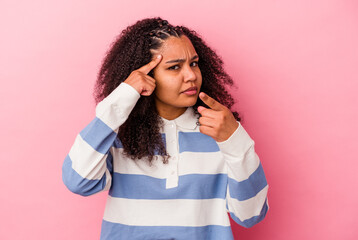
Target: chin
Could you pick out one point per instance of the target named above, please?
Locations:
(191, 103)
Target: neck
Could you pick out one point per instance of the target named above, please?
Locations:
(170, 113)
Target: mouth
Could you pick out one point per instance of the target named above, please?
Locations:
(191, 91)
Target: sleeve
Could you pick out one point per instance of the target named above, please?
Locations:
(247, 186)
(87, 168)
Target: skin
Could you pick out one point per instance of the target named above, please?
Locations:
(177, 72)
(216, 121)
(175, 69)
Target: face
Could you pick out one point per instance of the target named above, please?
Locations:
(178, 77)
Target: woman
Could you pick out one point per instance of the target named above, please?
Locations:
(165, 143)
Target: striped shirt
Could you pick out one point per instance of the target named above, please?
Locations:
(188, 198)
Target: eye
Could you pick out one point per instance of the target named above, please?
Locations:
(175, 67)
(194, 64)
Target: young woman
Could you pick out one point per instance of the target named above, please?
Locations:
(164, 142)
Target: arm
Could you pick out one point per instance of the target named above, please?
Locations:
(247, 185)
(87, 168)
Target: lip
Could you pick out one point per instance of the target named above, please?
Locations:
(191, 91)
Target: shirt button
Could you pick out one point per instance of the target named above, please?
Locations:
(173, 172)
(172, 125)
(172, 141)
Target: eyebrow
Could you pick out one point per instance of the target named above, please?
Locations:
(182, 60)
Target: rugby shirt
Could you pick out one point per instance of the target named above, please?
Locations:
(188, 198)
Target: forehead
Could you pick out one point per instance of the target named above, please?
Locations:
(177, 48)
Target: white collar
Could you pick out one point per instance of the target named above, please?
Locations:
(187, 120)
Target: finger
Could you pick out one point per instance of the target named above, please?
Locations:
(146, 93)
(208, 122)
(211, 102)
(150, 85)
(152, 64)
(149, 79)
(207, 131)
(207, 112)
(148, 88)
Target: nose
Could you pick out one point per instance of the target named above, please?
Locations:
(189, 74)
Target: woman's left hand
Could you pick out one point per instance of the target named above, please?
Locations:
(217, 122)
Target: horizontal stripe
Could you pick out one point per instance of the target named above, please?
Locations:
(251, 221)
(248, 208)
(117, 143)
(194, 186)
(109, 162)
(189, 163)
(203, 163)
(242, 167)
(108, 183)
(79, 185)
(248, 188)
(98, 135)
(112, 231)
(114, 109)
(86, 161)
(238, 144)
(196, 142)
(126, 165)
(176, 212)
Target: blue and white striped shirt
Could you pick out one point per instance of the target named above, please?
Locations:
(188, 198)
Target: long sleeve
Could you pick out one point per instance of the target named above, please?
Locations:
(247, 185)
(87, 167)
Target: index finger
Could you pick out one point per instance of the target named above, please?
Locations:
(211, 102)
(152, 64)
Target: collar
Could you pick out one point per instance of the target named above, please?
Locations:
(187, 120)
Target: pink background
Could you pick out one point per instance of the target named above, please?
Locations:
(296, 67)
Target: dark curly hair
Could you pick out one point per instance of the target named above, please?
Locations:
(140, 134)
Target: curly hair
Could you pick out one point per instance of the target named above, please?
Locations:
(140, 134)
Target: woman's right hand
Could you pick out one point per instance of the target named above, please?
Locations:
(141, 81)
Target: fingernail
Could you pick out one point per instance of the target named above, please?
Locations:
(159, 56)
